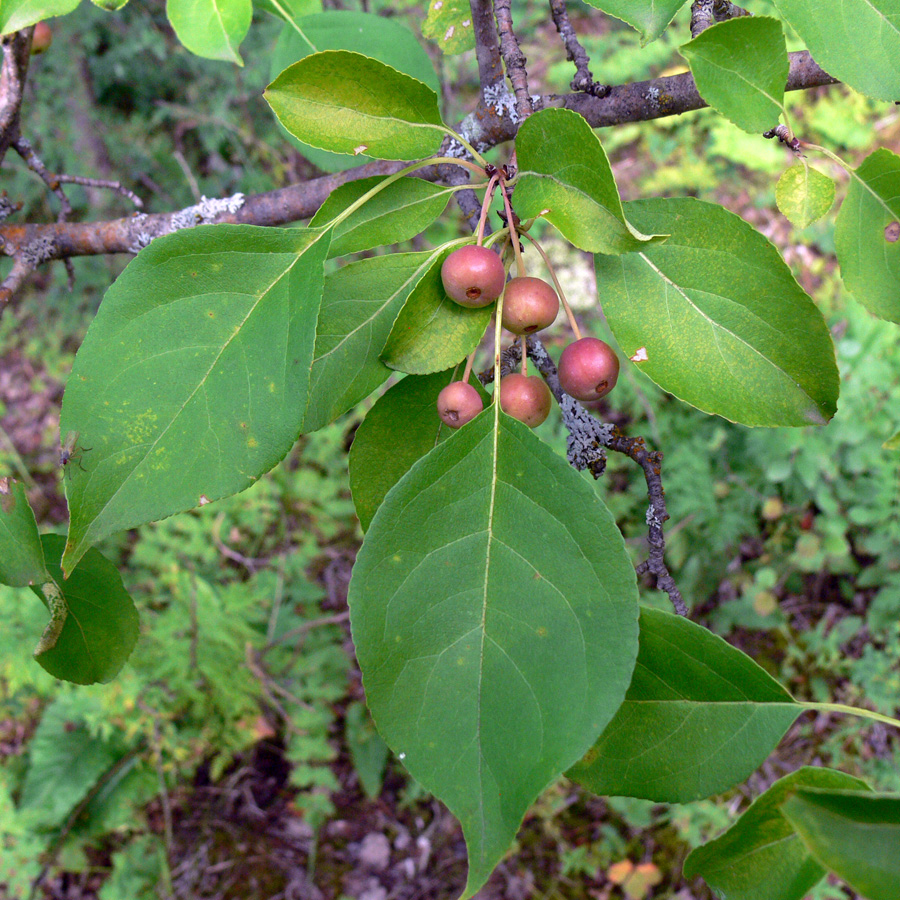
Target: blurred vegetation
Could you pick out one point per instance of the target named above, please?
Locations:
(785, 541)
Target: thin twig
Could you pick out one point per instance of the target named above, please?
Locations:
(583, 80)
(23, 147)
(116, 186)
(514, 59)
(587, 442)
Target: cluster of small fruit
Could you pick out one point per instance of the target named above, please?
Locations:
(474, 276)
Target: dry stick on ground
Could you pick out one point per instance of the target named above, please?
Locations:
(583, 80)
(31, 244)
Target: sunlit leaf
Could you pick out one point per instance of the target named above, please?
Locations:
(716, 318)
(867, 234)
(565, 177)
(17, 14)
(741, 68)
(804, 194)
(649, 17)
(212, 29)
(21, 556)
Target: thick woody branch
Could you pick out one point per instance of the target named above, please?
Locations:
(31, 244)
(16, 50)
(705, 13)
(487, 44)
(583, 80)
(514, 58)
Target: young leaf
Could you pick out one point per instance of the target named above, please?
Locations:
(867, 235)
(212, 29)
(398, 430)
(649, 17)
(494, 613)
(21, 556)
(17, 14)
(856, 834)
(719, 319)
(699, 717)
(100, 625)
(387, 40)
(359, 305)
(349, 103)
(856, 41)
(564, 175)
(741, 69)
(804, 194)
(449, 25)
(761, 855)
(192, 380)
(398, 212)
(432, 332)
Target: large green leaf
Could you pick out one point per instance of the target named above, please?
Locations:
(398, 430)
(494, 614)
(856, 41)
(565, 176)
(64, 762)
(212, 29)
(699, 717)
(94, 631)
(856, 834)
(649, 17)
(192, 380)
(867, 235)
(21, 556)
(719, 319)
(433, 332)
(349, 103)
(761, 855)
(359, 305)
(387, 40)
(804, 194)
(741, 69)
(16, 14)
(398, 212)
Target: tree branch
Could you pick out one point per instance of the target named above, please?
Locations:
(16, 49)
(487, 44)
(705, 13)
(514, 58)
(583, 80)
(31, 244)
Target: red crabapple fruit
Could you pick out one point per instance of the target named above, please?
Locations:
(525, 398)
(473, 276)
(458, 403)
(529, 305)
(588, 369)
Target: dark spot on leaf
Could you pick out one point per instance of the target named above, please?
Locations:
(892, 232)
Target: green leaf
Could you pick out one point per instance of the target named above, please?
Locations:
(65, 761)
(137, 871)
(564, 175)
(804, 194)
(893, 443)
(109, 5)
(741, 69)
(699, 717)
(368, 751)
(867, 235)
(398, 212)
(212, 29)
(359, 306)
(856, 41)
(192, 380)
(289, 10)
(761, 855)
(349, 103)
(398, 430)
(21, 556)
(433, 332)
(649, 17)
(449, 25)
(99, 627)
(856, 834)
(494, 614)
(715, 317)
(17, 14)
(387, 40)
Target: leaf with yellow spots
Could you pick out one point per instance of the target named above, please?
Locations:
(193, 378)
(449, 25)
(486, 681)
